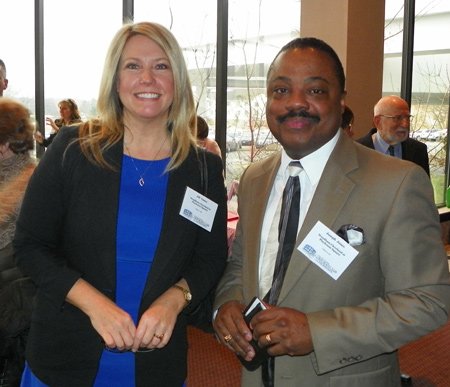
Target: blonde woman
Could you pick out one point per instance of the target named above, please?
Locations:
(70, 115)
(128, 240)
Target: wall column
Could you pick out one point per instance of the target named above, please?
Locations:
(355, 29)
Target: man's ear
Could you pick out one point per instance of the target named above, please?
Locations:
(376, 121)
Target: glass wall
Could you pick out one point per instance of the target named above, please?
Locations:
(76, 37)
(253, 41)
(75, 44)
(17, 49)
(430, 82)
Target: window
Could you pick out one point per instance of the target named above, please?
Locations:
(253, 41)
(17, 49)
(430, 82)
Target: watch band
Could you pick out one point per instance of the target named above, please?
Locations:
(187, 293)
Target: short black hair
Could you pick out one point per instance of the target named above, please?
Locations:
(320, 45)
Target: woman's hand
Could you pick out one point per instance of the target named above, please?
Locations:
(156, 325)
(50, 122)
(113, 324)
(38, 137)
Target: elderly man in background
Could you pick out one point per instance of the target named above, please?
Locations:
(390, 136)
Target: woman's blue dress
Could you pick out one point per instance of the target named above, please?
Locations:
(140, 215)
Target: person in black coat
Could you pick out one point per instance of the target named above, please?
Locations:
(131, 236)
(390, 136)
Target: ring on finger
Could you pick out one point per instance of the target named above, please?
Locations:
(268, 338)
(159, 336)
(227, 338)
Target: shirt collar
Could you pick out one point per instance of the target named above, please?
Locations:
(314, 163)
(380, 145)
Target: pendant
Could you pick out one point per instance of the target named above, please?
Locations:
(141, 182)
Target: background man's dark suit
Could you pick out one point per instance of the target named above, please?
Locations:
(412, 150)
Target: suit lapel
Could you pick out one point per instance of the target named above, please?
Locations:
(331, 194)
(260, 187)
(407, 152)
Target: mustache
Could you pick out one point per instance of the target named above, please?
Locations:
(298, 113)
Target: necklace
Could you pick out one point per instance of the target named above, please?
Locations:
(141, 180)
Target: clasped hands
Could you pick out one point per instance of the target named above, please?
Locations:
(117, 328)
(119, 332)
(285, 330)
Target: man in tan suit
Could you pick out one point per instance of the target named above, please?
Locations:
(333, 325)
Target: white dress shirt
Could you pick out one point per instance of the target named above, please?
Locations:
(313, 166)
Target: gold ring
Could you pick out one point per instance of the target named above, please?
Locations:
(227, 338)
(268, 338)
(159, 336)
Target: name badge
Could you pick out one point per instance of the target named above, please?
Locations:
(327, 250)
(198, 209)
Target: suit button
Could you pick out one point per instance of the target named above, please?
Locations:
(358, 358)
(351, 359)
(343, 361)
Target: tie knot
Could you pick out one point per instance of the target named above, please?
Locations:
(295, 168)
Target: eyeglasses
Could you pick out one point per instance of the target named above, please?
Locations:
(399, 118)
(140, 350)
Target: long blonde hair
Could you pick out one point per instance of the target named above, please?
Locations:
(98, 134)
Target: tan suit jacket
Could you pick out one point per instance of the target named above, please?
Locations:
(396, 290)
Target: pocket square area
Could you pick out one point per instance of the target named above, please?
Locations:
(352, 234)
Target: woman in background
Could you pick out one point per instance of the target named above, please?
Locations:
(68, 110)
(347, 121)
(131, 235)
(16, 167)
(202, 137)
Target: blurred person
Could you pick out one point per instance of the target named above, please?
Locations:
(359, 270)
(202, 137)
(16, 167)
(3, 79)
(392, 119)
(131, 235)
(347, 121)
(70, 115)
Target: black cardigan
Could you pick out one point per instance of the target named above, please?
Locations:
(66, 230)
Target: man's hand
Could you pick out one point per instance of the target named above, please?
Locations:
(286, 330)
(232, 330)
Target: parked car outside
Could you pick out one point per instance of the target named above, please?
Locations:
(439, 135)
(246, 138)
(265, 137)
(426, 134)
(231, 145)
(236, 134)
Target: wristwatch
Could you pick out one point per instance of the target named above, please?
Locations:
(187, 294)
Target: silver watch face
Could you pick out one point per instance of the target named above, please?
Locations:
(188, 296)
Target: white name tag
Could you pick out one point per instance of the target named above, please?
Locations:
(198, 209)
(327, 250)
